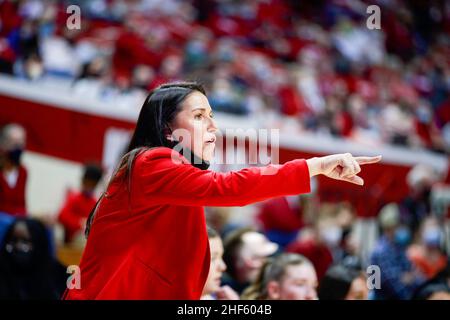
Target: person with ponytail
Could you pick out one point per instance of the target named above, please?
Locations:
(146, 236)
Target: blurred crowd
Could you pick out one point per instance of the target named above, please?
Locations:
(297, 248)
(292, 248)
(301, 66)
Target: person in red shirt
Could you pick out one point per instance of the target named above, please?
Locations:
(13, 176)
(147, 235)
(281, 218)
(78, 204)
(310, 245)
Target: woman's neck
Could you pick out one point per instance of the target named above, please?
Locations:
(194, 159)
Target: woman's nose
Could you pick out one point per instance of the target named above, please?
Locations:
(212, 125)
(222, 266)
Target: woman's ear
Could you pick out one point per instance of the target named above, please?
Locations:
(168, 134)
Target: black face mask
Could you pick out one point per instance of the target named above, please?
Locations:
(22, 260)
(14, 155)
(192, 158)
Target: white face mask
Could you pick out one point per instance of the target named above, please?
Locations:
(332, 235)
(34, 70)
(431, 236)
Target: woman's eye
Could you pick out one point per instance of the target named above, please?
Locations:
(300, 284)
(198, 116)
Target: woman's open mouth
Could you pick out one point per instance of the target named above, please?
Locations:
(212, 140)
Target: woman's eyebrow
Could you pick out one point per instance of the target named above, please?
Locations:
(199, 108)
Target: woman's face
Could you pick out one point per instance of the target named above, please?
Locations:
(298, 283)
(217, 266)
(194, 126)
(358, 290)
(19, 247)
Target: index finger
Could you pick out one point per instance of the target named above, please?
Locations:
(367, 160)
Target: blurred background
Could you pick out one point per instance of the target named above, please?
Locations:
(69, 99)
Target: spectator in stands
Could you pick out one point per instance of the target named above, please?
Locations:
(59, 56)
(417, 205)
(6, 221)
(437, 288)
(91, 82)
(288, 276)
(398, 276)
(28, 269)
(432, 291)
(343, 283)
(427, 255)
(224, 98)
(212, 289)
(282, 218)
(273, 48)
(78, 204)
(13, 177)
(311, 245)
(245, 253)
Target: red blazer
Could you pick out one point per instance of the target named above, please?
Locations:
(12, 200)
(76, 208)
(154, 244)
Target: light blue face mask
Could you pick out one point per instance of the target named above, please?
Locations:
(432, 237)
(402, 236)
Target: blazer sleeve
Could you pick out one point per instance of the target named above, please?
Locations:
(168, 178)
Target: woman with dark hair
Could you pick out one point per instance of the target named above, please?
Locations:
(28, 269)
(147, 234)
(343, 283)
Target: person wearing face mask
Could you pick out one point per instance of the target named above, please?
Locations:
(78, 204)
(13, 176)
(399, 277)
(28, 269)
(427, 255)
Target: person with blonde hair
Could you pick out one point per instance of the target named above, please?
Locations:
(288, 276)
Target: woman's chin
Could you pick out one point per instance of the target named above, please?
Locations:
(207, 159)
(210, 289)
(208, 156)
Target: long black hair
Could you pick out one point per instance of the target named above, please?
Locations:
(157, 113)
(34, 274)
(337, 282)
